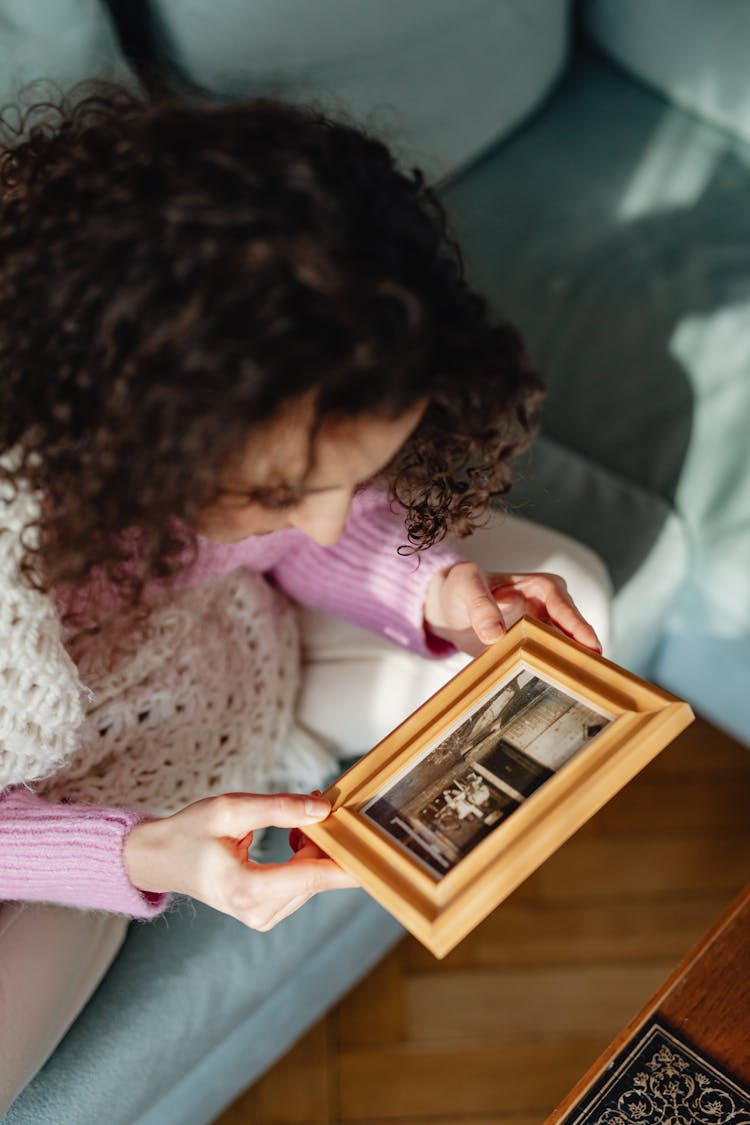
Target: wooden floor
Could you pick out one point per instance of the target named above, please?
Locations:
(500, 1029)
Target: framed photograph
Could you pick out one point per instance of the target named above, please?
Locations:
(472, 792)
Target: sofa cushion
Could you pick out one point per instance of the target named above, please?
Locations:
(709, 664)
(440, 79)
(614, 229)
(195, 1007)
(638, 535)
(694, 52)
(61, 40)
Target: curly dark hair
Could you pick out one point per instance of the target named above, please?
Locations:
(174, 271)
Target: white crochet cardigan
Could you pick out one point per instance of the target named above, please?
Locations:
(198, 702)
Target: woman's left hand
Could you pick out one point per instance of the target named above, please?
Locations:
(471, 609)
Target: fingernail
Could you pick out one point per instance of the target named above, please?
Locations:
(492, 629)
(317, 807)
(295, 839)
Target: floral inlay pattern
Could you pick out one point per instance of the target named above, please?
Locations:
(660, 1080)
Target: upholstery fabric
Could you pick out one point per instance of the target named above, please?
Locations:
(641, 539)
(203, 1009)
(694, 52)
(60, 40)
(439, 79)
(615, 231)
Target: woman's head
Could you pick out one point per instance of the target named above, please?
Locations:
(283, 480)
(184, 283)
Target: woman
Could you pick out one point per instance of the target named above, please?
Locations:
(240, 368)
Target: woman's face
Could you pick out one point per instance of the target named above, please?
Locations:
(275, 464)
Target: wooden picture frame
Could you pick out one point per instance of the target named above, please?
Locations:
(450, 812)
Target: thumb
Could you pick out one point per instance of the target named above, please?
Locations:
(485, 617)
(237, 814)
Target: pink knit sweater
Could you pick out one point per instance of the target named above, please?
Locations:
(73, 854)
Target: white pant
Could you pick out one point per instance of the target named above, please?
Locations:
(355, 688)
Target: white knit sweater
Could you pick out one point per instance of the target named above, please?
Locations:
(41, 696)
(197, 701)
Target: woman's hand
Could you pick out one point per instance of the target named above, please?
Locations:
(472, 609)
(201, 851)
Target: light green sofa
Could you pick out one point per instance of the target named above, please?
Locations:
(613, 226)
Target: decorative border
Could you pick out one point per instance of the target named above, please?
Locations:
(661, 1080)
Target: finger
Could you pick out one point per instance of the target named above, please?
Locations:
(312, 851)
(303, 873)
(511, 603)
(482, 610)
(298, 840)
(237, 814)
(282, 913)
(552, 593)
(339, 878)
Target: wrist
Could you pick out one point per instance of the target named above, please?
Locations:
(141, 850)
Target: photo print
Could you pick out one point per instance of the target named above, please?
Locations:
(492, 760)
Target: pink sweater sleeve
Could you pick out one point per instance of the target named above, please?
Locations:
(364, 579)
(72, 854)
(68, 854)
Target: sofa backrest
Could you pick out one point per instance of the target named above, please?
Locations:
(695, 52)
(59, 40)
(441, 80)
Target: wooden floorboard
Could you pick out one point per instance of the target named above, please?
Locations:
(501, 1028)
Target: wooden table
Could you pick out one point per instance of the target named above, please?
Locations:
(686, 1057)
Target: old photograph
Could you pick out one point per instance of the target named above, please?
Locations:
(483, 768)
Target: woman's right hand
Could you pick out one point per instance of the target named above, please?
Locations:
(201, 851)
